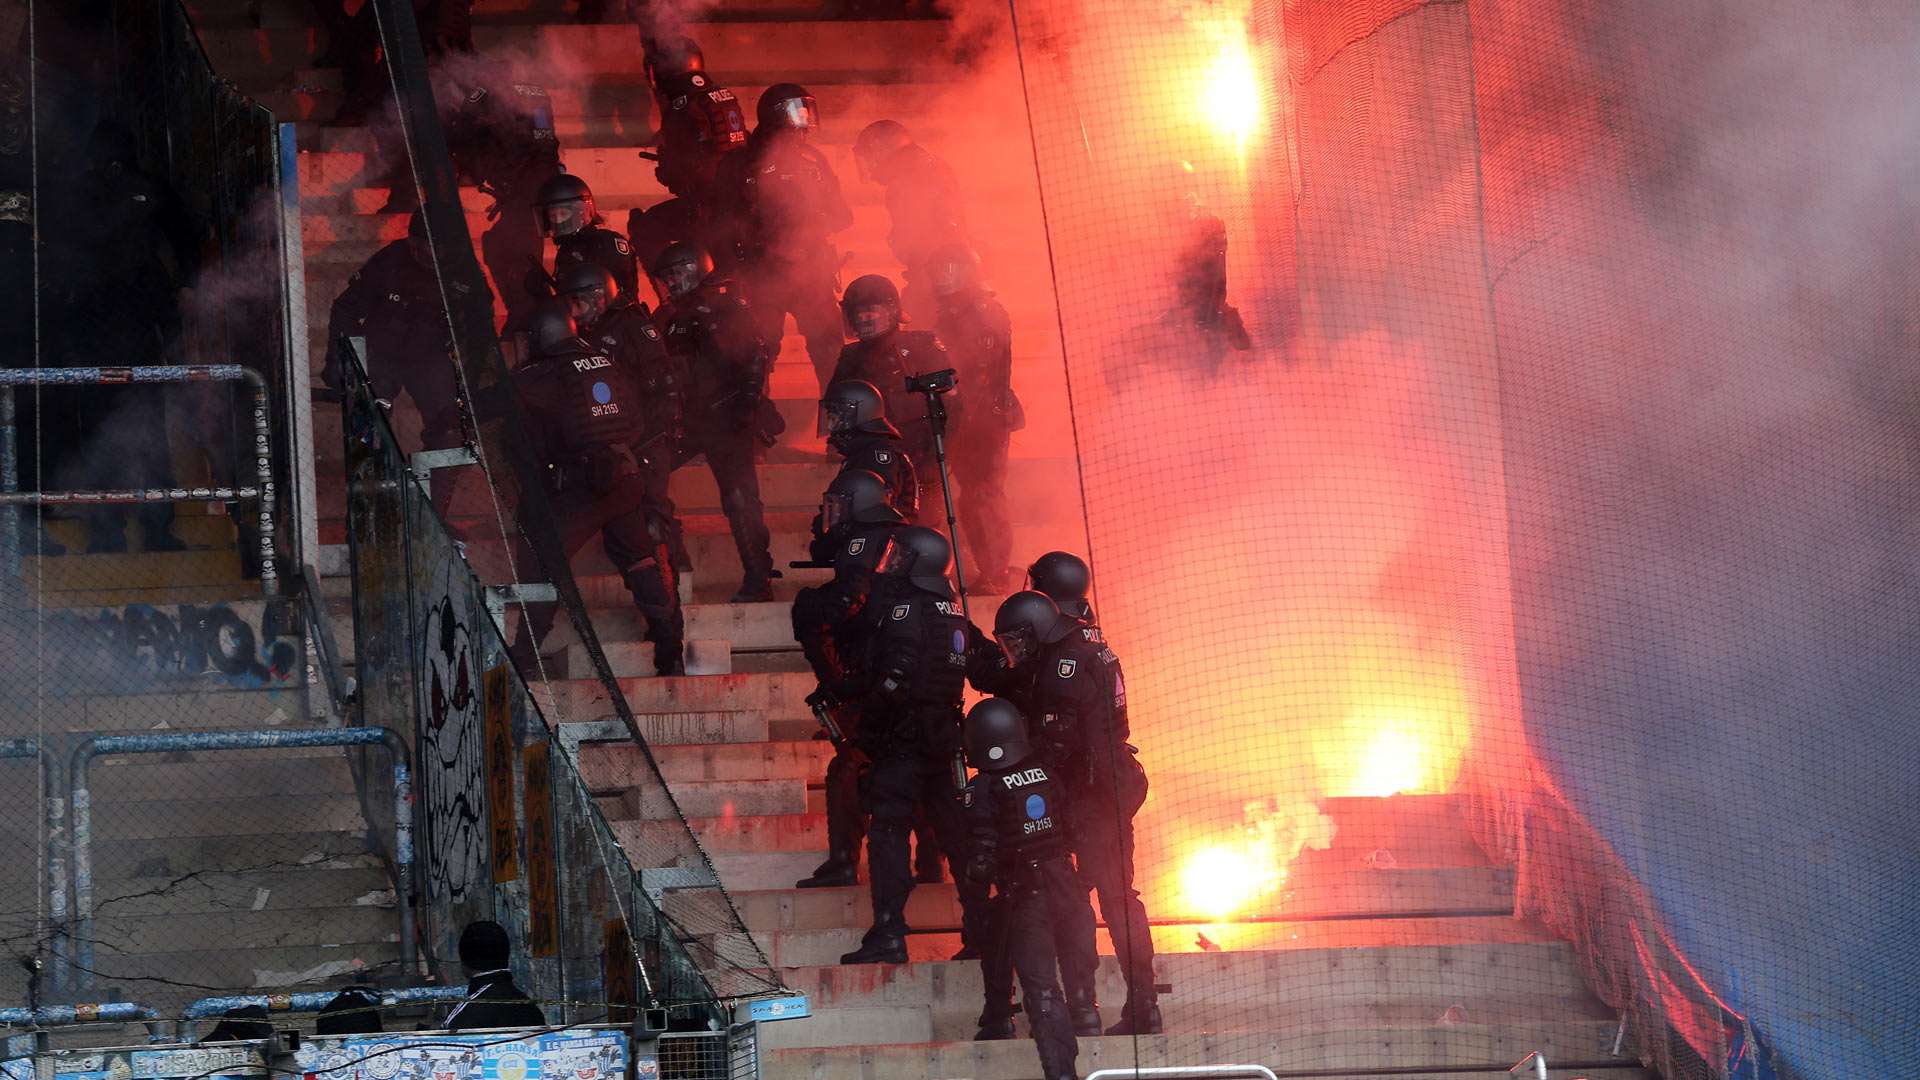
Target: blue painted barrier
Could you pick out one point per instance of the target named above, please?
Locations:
(208, 1008)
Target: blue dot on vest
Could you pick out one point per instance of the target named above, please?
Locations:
(959, 641)
(1036, 807)
(602, 393)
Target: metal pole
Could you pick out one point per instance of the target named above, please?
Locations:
(9, 483)
(306, 1001)
(96, 745)
(1184, 1072)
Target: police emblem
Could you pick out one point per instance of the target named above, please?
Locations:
(856, 545)
(901, 611)
(1067, 668)
(650, 332)
(882, 456)
(622, 246)
(698, 80)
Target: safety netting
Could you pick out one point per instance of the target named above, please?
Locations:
(1497, 429)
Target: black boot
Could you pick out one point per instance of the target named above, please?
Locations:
(837, 872)
(994, 1026)
(886, 943)
(1140, 1017)
(1052, 1036)
(1083, 1011)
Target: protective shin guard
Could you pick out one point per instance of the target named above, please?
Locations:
(1052, 1035)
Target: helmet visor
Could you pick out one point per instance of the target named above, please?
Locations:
(896, 560)
(566, 217)
(799, 114)
(588, 304)
(680, 278)
(950, 277)
(1019, 644)
(835, 510)
(873, 321)
(842, 415)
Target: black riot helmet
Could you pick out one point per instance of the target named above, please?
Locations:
(953, 269)
(786, 107)
(871, 306)
(931, 557)
(857, 495)
(589, 290)
(553, 331)
(1026, 621)
(853, 406)
(996, 735)
(1064, 577)
(672, 57)
(566, 205)
(680, 268)
(876, 143)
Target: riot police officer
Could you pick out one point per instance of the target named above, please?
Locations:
(580, 235)
(923, 204)
(584, 412)
(1018, 819)
(394, 303)
(699, 120)
(885, 355)
(858, 430)
(709, 329)
(502, 140)
(782, 203)
(978, 335)
(622, 327)
(1065, 578)
(908, 687)
(1072, 683)
(858, 526)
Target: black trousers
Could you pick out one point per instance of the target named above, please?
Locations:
(730, 455)
(1021, 928)
(1102, 834)
(979, 465)
(1069, 920)
(634, 533)
(809, 295)
(902, 782)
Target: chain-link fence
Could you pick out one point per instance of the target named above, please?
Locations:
(1518, 618)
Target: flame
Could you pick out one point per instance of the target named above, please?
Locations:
(1230, 86)
(1222, 880)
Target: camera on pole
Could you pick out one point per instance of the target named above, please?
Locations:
(933, 386)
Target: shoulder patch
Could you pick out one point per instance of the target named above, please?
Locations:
(476, 96)
(901, 611)
(882, 456)
(620, 245)
(1067, 668)
(650, 332)
(698, 80)
(856, 545)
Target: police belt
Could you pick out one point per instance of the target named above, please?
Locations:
(592, 471)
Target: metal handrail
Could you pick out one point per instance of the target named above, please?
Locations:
(81, 796)
(308, 1001)
(340, 686)
(106, 1012)
(12, 498)
(1185, 1073)
(56, 818)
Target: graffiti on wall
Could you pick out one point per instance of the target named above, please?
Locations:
(452, 749)
(141, 647)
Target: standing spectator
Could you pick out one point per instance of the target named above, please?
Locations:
(493, 999)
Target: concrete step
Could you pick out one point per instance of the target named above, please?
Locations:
(612, 766)
(1415, 1046)
(719, 798)
(173, 857)
(762, 870)
(634, 659)
(671, 727)
(809, 948)
(195, 710)
(357, 883)
(881, 1024)
(79, 572)
(116, 818)
(189, 777)
(214, 932)
(242, 970)
(765, 696)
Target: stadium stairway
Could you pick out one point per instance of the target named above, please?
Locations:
(1411, 967)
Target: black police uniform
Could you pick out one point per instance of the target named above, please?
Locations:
(1018, 820)
(908, 687)
(781, 200)
(1077, 693)
(711, 332)
(886, 362)
(627, 333)
(926, 211)
(597, 244)
(884, 454)
(978, 335)
(494, 1000)
(502, 139)
(673, 221)
(699, 122)
(584, 413)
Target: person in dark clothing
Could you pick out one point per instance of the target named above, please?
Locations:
(781, 203)
(502, 140)
(1070, 680)
(908, 686)
(493, 999)
(622, 326)
(584, 414)
(112, 297)
(923, 204)
(978, 335)
(580, 234)
(885, 355)
(700, 121)
(1018, 819)
(353, 1011)
(710, 330)
(446, 26)
(1199, 274)
(858, 430)
(1065, 578)
(394, 304)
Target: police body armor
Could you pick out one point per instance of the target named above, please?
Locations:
(917, 653)
(789, 192)
(1021, 814)
(627, 333)
(699, 121)
(711, 333)
(977, 333)
(502, 137)
(1079, 697)
(886, 363)
(600, 245)
(587, 410)
(886, 456)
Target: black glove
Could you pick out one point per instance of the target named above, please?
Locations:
(979, 868)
